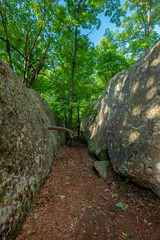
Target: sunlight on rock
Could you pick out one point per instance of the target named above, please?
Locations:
(125, 121)
(152, 112)
(158, 167)
(124, 80)
(133, 136)
(101, 119)
(107, 109)
(92, 130)
(117, 88)
(136, 110)
(150, 82)
(134, 87)
(102, 102)
(120, 97)
(130, 131)
(108, 88)
(155, 62)
(158, 177)
(151, 93)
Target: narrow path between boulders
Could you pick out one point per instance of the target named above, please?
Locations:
(75, 204)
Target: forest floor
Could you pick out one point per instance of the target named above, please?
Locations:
(75, 204)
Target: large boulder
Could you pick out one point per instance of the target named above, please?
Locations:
(126, 122)
(27, 148)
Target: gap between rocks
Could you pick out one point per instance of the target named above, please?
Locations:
(75, 204)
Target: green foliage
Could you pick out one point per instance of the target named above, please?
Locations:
(122, 205)
(139, 27)
(125, 176)
(62, 197)
(54, 86)
(41, 37)
(114, 11)
(110, 60)
(127, 234)
(26, 27)
(113, 194)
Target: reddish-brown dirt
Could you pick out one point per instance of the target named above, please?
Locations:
(75, 204)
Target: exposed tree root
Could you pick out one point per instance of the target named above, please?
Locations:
(69, 131)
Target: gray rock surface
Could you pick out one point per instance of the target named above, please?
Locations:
(27, 148)
(101, 168)
(127, 121)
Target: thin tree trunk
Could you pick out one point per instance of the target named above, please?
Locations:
(33, 77)
(25, 65)
(30, 80)
(72, 79)
(11, 46)
(8, 50)
(78, 121)
(73, 66)
(148, 21)
(63, 94)
(65, 118)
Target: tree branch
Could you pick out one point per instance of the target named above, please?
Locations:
(36, 71)
(46, 76)
(4, 22)
(90, 31)
(40, 30)
(143, 19)
(13, 47)
(69, 131)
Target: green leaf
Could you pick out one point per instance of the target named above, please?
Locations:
(145, 221)
(62, 197)
(122, 205)
(113, 194)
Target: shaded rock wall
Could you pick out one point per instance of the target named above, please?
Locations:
(27, 148)
(127, 122)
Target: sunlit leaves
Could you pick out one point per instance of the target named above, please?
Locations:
(27, 22)
(109, 60)
(139, 25)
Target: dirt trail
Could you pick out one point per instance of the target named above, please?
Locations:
(75, 204)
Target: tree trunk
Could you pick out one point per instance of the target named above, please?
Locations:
(33, 76)
(73, 66)
(78, 121)
(63, 93)
(65, 119)
(70, 133)
(29, 79)
(148, 21)
(8, 50)
(72, 79)
(25, 65)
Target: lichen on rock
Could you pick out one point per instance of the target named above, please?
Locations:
(27, 148)
(127, 123)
